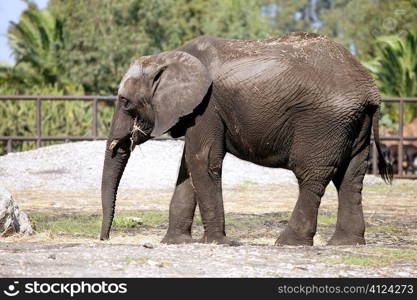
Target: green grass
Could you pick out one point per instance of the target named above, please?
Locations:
(144, 260)
(124, 222)
(327, 219)
(139, 260)
(152, 217)
(387, 229)
(91, 224)
(229, 221)
(375, 257)
(394, 253)
(246, 185)
(361, 260)
(71, 224)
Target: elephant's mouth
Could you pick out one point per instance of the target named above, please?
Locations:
(136, 136)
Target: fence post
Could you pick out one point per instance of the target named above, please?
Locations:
(38, 122)
(9, 146)
(401, 133)
(95, 118)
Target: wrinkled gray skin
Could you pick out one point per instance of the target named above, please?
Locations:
(299, 102)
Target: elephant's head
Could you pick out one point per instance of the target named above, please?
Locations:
(153, 95)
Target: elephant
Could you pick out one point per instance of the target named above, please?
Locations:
(300, 102)
(409, 158)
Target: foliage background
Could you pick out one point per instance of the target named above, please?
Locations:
(83, 47)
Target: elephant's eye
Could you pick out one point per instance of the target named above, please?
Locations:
(125, 103)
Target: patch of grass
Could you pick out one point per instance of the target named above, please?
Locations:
(377, 256)
(246, 185)
(91, 224)
(197, 221)
(228, 221)
(144, 260)
(248, 182)
(71, 224)
(138, 260)
(391, 229)
(254, 222)
(361, 260)
(394, 253)
(331, 188)
(152, 217)
(327, 219)
(124, 222)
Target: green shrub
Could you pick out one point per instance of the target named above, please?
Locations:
(59, 118)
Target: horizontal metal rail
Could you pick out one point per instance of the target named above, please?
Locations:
(69, 98)
(64, 138)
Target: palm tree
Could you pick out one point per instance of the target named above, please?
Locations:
(394, 68)
(36, 42)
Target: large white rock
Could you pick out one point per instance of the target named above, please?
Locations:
(12, 219)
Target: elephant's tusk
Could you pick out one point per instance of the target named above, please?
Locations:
(113, 144)
(132, 144)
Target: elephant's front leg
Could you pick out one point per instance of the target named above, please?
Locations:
(182, 208)
(205, 160)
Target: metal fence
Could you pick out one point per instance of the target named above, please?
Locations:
(38, 119)
(38, 138)
(400, 138)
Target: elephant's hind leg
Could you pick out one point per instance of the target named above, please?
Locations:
(303, 222)
(350, 225)
(182, 208)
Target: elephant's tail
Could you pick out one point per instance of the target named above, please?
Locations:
(385, 167)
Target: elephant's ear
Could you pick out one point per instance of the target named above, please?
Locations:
(180, 85)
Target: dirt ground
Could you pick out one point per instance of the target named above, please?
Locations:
(255, 215)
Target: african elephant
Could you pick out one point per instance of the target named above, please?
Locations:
(300, 102)
(409, 158)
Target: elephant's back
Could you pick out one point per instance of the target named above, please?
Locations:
(302, 47)
(308, 62)
(298, 52)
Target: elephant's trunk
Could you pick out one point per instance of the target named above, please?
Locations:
(114, 164)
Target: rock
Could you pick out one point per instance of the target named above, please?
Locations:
(12, 219)
(135, 220)
(52, 256)
(148, 245)
(155, 264)
(319, 240)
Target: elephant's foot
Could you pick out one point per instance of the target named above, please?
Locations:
(218, 238)
(342, 238)
(293, 238)
(177, 239)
